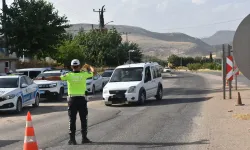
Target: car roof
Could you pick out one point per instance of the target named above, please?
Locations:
(55, 71)
(12, 76)
(138, 65)
(32, 69)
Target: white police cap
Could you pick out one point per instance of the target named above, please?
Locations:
(75, 62)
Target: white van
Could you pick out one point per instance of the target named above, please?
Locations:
(134, 83)
(32, 72)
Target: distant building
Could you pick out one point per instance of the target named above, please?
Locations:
(7, 64)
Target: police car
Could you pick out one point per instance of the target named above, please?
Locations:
(16, 92)
(53, 90)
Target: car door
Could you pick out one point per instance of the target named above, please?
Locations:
(26, 96)
(148, 84)
(154, 79)
(32, 88)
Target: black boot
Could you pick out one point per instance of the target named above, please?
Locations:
(72, 139)
(84, 138)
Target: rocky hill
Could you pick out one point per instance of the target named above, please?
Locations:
(220, 37)
(157, 44)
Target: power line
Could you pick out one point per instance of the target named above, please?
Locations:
(205, 24)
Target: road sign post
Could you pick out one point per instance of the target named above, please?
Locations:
(230, 71)
(224, 71)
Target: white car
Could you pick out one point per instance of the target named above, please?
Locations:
(94, 84)
(16, 92)
(52, 90)
(106, 75)
(167, 69)
(134, 83)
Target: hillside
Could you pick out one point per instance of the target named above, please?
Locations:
(157, 44)
(220, 37)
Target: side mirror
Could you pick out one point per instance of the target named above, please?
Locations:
(95, 77)
(24, 85)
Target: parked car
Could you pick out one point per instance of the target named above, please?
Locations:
(32, 72)
(16, 92)
(106, 75)
(94, 84)
(134, 83)
(52, 89)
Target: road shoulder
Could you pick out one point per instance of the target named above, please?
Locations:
(227, 124)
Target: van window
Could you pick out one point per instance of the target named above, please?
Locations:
(158, 70)
(154, 72)
(34, 74)
(148, 74)
(6, 64)
(23, 72)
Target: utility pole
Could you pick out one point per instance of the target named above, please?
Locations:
(5, 45)
(126, 33)
(101, 17)
(224, 71)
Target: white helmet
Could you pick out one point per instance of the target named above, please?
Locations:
(75, 62)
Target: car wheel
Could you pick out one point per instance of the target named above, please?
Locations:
(159, 93)
(93, 89)
(19, 106)
(142, 98)
(60, 95)
(37, 101)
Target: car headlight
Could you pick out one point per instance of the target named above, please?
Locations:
(105, 91)
(9, 96)
(89, 83)
(52, 85)
(132, 89)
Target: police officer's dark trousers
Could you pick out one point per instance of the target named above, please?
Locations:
(77, 104)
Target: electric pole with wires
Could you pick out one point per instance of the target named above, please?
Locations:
(5, 39)
(126, 33)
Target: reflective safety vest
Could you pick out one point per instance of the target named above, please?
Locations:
(76, 82)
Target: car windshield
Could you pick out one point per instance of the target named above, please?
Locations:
(107, 74)
(9, 82)
(127, 74)
(48, 75)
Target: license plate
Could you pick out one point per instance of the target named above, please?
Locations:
(42, 92)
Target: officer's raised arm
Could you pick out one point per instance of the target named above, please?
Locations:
(91, 71)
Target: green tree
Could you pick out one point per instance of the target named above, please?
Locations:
(68, 50)
(34, 26)
(135, 56)
(174, 60)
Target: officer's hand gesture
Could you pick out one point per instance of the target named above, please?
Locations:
(87, 67)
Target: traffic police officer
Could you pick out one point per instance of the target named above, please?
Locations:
(77, 102)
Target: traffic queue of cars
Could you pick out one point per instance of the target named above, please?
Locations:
(28, 86)
(129, 83)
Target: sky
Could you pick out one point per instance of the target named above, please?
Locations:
(197, 18)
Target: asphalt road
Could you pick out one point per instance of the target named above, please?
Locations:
(166, 124)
